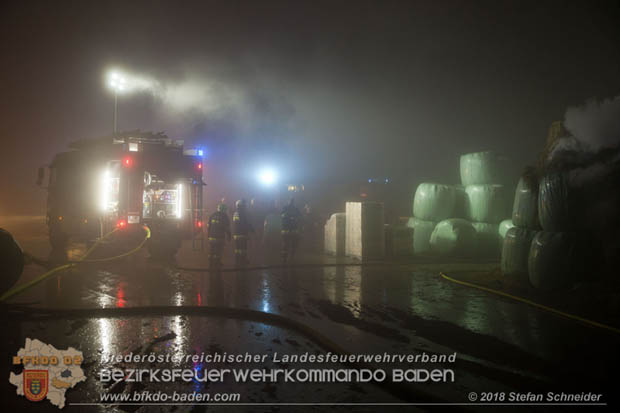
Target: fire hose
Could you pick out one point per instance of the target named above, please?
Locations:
(399, 390)
(21, 288)
(533, 304)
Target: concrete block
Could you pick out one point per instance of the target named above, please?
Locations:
(335, 229)
(365, 234)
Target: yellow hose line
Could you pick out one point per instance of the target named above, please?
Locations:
(116, 257)
(533, 304)
(20, 289)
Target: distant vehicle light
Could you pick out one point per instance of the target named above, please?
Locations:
(201, 152)
(267, 177)
(199, 166)
(121, 223)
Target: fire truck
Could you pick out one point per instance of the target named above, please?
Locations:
(124, 182)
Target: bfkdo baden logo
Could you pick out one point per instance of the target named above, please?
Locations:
(35, 384)
(47, 372)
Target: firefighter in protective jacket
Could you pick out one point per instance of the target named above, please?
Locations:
(291, 222)
(242, 228)
(218, 232)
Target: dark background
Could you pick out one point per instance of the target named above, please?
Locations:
(335, 91)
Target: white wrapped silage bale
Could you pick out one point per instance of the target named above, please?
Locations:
(482, 168)
(487, 203)
(434, 202)
(422, 231)
(454, 237)
(515, 253)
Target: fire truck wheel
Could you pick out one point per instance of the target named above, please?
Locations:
(58, 239)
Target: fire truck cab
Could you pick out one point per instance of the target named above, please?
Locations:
(126, 181)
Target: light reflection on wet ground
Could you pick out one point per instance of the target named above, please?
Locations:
(366, 310)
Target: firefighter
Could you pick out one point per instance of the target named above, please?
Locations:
(242, 228)
(291, 218)
(218, 231)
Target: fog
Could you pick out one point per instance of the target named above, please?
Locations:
(329, 93)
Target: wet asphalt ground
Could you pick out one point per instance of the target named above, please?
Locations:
(501, 345)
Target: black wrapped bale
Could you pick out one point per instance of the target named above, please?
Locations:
(11, 261)
(552, 262)
(515, 253)
(557, 203)
(525, 206)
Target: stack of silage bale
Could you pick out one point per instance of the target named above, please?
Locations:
(553, 262)
(432, 203)
(522, 229)
(483, 175)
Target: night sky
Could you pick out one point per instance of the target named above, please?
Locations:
(328, 90)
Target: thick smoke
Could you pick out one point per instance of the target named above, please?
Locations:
(249, 107)
(596, 125)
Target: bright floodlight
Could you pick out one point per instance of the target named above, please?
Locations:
(267, 176)
(117, 82)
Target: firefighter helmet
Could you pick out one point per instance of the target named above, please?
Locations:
(241, 204)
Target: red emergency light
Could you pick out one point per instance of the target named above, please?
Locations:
(198, 224)
(121, 223)
(199, 166)
(127, 162)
